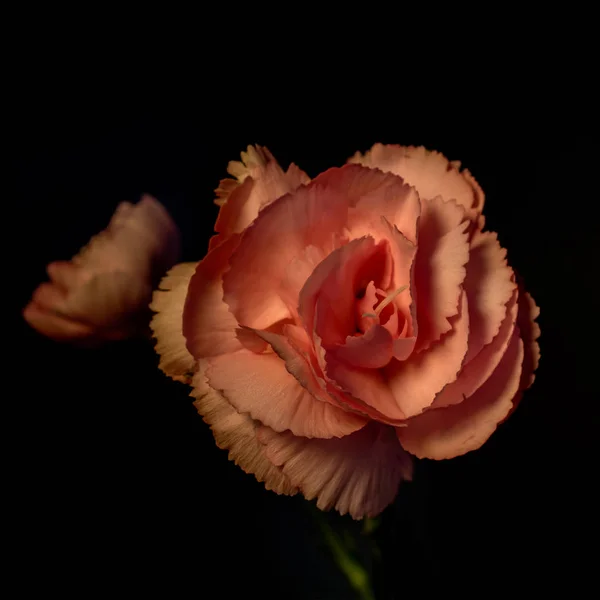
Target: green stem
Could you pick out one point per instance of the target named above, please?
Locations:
(354, 571)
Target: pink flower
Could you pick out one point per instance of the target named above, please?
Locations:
(340, 325)
(103, 292)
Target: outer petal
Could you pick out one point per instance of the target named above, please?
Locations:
(440, 270)
(140, 238)
(310, 216)
(429, 172)
(455, 430)
(416, 381)
(530, 332)
(55, 326)
(208, 326)
(489, 284)
(260, 181)
(167, 325)
(475, 372)
(236, 433)
(358, 474)
(109, 300)
(260, 385)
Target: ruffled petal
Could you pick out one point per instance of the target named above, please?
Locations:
(416, 381)
(431, 173)
(368, 386)
(475, 372)
(440, 270)
(490, 283)
(236, 433)
(313, 215)
(208, 326)
(260, 385)
(260, 181)
(530, 332)
(358, 474)
(167, 325)
(331, 288)
(372, 350)
(455, 430)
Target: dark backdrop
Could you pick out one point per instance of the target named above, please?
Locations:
(119, 485)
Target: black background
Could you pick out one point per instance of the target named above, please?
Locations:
(118, 484)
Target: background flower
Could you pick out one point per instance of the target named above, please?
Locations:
(103, 292)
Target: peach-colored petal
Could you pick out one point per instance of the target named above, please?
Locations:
(260, 181)
(333, 285)
(393, 202)
(368, 386)
(358, 474)
(236, 433)
(294, 347)
(372, 350)
(313, 214)
(530, 332)
(431, 173)
(65, 274)
(440, 267)
(140, 238)
(55, 326)
(455, 430)
(208, 326)
(108, 300)
(475, 372)
(260, 385)
(489, 284)
(416, 381)
(167, 325)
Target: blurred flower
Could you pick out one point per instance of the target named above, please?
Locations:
(103, 292)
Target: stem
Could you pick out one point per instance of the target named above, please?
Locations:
(354, 571)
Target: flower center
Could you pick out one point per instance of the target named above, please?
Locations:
(389, 298)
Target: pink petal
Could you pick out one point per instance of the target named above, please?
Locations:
(208, 326)
(65, 274)
(475, 372)
(312, 215)
(489, 285)
(140, 238)
(429, 172)
(55, 326)
(416, 381)
(393, 202)
(440, 267)
(403, 256)
(167, 325)
(372, 350)
(455, 430)
(368, 386)
(294, 347)
(260, 385)
(109, 300)
(358, 474)
(530, 332)
(236, 433)
(333, 285)
(260, 181)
